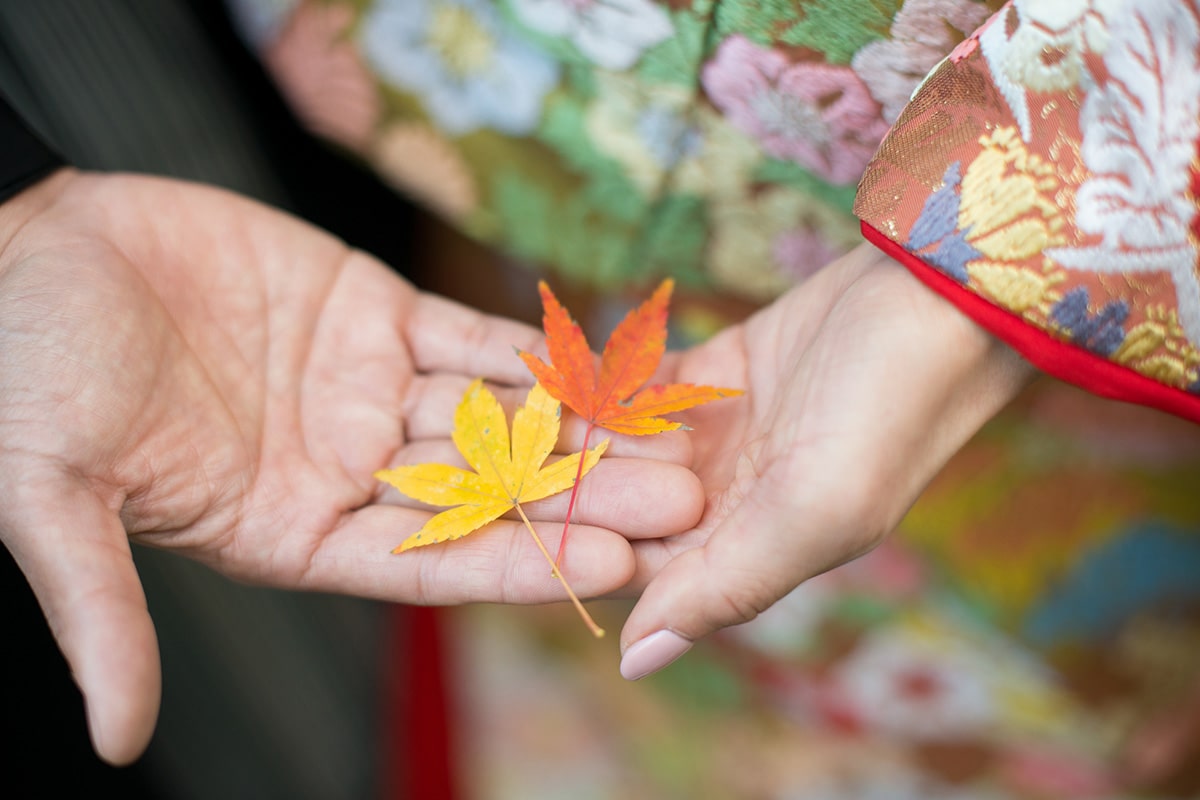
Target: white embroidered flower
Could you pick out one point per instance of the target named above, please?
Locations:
(935, 676)
(459, 57)
(612, 34)
(917, 687)
(1140, 130)
(1042, 45)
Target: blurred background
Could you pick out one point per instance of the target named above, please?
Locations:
(937, 668)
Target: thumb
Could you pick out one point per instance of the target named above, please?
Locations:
(756, 555)
(75, 554)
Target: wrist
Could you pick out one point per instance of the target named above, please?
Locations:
(955, 375)
(971, 355)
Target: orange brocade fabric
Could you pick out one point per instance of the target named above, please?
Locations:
(1048, 167)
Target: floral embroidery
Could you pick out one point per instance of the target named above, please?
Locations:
(929, 676)
(419, 162)
(612, 34)
(1008, 210)
(470, 70)
(935, 236)
(1021, 290)
(818, 115)
(1083, 223)
(764, 243)
(1001, 210)
(922, 33)
(721, 163)
(1100, 332)
(1042, 46)
(1158, 346)
(322, 75)
(1140, 131)
(646, 129)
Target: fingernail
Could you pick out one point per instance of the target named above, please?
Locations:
(652, 654)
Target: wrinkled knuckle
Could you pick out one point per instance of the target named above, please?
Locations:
(740, 601)
(422, 580)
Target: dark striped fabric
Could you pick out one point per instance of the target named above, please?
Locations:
(130, 85)
(266, 694)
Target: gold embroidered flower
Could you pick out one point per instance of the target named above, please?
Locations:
(1007, 206)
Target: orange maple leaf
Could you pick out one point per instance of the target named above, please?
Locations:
(610, 398)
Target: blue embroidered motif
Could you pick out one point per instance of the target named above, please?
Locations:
(1102, 332)
(939, 216)
(938, 225)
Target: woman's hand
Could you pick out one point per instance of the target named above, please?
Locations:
(862, 383)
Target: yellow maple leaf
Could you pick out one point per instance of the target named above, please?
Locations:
(506, 473)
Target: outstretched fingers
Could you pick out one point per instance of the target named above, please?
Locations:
(499, 563)
(445, 336)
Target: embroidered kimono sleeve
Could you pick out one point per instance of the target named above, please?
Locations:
(1044, 179)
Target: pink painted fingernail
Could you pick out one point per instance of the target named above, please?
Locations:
(652, 654)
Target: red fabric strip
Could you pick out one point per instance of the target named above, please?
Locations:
(418, 761)
(1054, 356)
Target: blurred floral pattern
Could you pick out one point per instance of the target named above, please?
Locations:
(1033, 629)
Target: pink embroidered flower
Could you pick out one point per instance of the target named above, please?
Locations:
(920, 681)
(819, 115)
(921, 35)
(322, 77)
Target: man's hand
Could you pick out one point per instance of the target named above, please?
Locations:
(862, 384)
(190, 370)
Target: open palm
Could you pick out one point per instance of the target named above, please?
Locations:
(191, 370)
(862, 383)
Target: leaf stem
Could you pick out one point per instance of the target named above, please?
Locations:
(562, 543)
(596, 630)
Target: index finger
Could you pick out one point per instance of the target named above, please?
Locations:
(447, 336)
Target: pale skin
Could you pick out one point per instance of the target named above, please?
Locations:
(186, 369)
(861, 383)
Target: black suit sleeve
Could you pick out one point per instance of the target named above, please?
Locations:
(24, 158)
